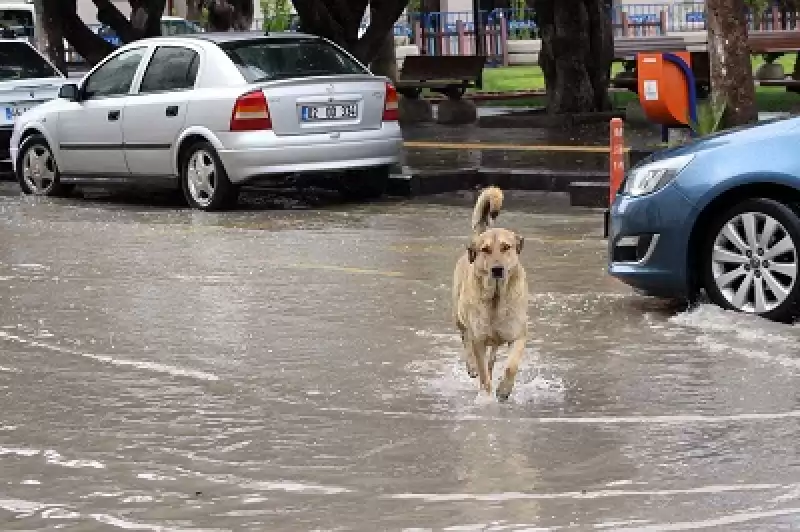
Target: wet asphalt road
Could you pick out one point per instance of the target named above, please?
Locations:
(296, 369)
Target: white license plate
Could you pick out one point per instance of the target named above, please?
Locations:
(15, 111)
(323, 113)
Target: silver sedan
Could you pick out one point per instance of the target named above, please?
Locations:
(210, 112)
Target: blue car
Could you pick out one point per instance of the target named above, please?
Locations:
(719, 215)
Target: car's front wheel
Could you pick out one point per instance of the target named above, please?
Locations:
(37, 171)
(204, 180)
(751, 259)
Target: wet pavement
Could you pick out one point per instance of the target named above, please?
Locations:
(297, 369)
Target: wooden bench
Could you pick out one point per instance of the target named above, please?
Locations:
(450, 75)
(762, 42)
(626, 48)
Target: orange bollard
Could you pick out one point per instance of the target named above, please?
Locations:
(616, 158)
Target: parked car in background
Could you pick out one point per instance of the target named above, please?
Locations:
(178, 26)
(27, 79)
(719, 215)
(210, 112)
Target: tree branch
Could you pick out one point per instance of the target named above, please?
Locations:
(108, 14)
(89, 45)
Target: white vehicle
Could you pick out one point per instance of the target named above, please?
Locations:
(18, 17)
(208, 112)
(27, 79)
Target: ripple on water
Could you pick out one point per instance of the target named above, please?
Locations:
(741, 334)
(444, 375)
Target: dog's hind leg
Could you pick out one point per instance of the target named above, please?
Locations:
(514, 358)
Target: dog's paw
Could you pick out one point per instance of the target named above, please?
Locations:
(504, 390)
(472, 371)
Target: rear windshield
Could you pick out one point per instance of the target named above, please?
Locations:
(20, 61)
(271, 59)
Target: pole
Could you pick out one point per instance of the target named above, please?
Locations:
(616, 166)
(616, 158)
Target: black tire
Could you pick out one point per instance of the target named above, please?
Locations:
(364, 184)
(38, 144)
(762, 267)
(222, 194)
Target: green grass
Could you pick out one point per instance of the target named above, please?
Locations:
(522, 78)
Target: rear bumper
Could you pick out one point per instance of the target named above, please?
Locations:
(252, 155)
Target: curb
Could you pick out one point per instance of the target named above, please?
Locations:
(426, 182)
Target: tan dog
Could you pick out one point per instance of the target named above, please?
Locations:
(490, 295)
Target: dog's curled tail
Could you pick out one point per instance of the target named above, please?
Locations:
(486, 209)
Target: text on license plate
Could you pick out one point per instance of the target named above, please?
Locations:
(314, 113)
(13, 112)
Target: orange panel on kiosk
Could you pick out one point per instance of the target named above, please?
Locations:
(663, 92)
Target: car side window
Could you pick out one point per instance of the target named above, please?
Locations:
(115, 77)
(172, 68)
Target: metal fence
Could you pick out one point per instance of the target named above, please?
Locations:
(453, 33)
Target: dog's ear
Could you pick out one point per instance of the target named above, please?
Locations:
(520, 243)
(472, 253)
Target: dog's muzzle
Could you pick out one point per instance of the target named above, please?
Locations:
(498, 272)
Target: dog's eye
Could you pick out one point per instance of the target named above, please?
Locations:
(504, 248)
(486, 250)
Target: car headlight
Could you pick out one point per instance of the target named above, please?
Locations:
(653, 176)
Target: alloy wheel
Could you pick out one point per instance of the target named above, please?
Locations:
(39, 169)
(754, 262)
(202, 177)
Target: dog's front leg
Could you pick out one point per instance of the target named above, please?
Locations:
(479, 354)
(492, 359)
(514, 358)
(469, 357)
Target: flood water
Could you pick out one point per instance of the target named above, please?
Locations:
(297, 369)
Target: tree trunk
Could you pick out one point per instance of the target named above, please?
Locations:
(576, 55)
(385, 63)
(194, 10)
(731, 69)
(226, 15)
(339, 20)
(50, 37)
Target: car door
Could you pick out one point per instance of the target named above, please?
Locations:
(90, 131)
(155, 115)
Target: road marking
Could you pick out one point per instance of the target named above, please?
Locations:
(143, 365)
(505, 147)
(679, 419)
(737, 518)
(345, 269)
(514, 496)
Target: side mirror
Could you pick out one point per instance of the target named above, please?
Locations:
(69, 91)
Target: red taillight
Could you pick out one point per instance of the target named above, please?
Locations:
(251, 112)
(390, 107)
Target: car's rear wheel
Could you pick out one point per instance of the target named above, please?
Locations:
(751, 259)
(204, 180)
(37, 171)
(364, 184)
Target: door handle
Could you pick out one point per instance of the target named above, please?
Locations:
(113, 115)
(172, 110)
